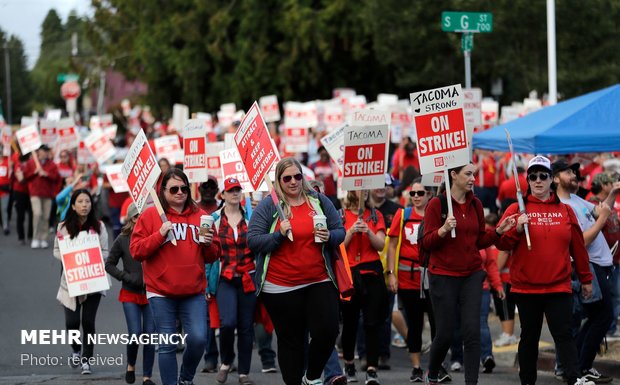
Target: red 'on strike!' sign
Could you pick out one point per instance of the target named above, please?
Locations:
(441, 132)
(364, 160)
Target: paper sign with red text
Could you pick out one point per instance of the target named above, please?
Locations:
(140, 170)
(169, 147)
(28, 138)
(270, 108)
(100, 146)
(83, 264)
(194, 150)
(115, 177)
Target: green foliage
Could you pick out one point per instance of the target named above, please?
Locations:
(21, 87)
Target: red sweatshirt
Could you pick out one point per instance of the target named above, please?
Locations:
(458, 256)
(42, 186)
(555, 236)
(173, 271)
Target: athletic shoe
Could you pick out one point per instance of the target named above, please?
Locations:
(371, 378)
(75, 359)
(338, 380)
(417, 375)
(398, 341)
(245, 380)
(443, 376)
(35, 244)
(456, 366)
(185, 382)
(130, 377)
(222, 375)
(86, 368)
(431, 381)
(583, 381)
(350, 372)
(148, 382)
(271, 369)
(305, 381)
(505, 340)
(488, 364)
(44, 244)
(593, 375)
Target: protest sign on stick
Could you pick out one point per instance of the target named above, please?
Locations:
(100, 146)
(194, 148)
(83, 264)
(28, 139)
(114, 172)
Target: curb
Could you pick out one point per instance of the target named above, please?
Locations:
(546, 362)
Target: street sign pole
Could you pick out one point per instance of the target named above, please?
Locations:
(467, 45)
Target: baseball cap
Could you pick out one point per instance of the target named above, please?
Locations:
(602, 178)
(231, 183)
(539, 161)
(132, 211)
(562, 164)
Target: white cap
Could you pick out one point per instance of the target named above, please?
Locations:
(540, 161)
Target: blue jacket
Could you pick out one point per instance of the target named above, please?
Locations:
(263, 240)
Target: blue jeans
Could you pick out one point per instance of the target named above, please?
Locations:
(332, 367)
(140, 321)
(486, 346)
(192, 311)
(236, 312)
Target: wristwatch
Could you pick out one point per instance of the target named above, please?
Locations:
(389, 272)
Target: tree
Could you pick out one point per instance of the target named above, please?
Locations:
(21, 87)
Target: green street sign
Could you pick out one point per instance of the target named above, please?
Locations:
(61, 78)
(467, 42)
(466, 21)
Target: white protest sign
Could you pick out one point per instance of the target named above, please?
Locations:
(366, 150)
(357, 102)
(435, 179)
(472, 107)
(67, 135)
(386, 100)
(294, 115)
(194, 157)
(84, 156)
(99, 122)
(28, 139)
(255, 146)
(110, 131)
(310, 114)
(83, 264)
(225, 118)
(232, 167)
(168, 147)
(180, 113)
(5, 131)
(114, 172)
(48, 132)
(228, 107)
(509, 113)
(207, 119)
(140, 170)
(100, 146)
(28, 121)
(334, 144)
(270, 108)
(333, 115)
(214, 166)
(54, 115)
(490, 111)
(440, 128)
(296, 140)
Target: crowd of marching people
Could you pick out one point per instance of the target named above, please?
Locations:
(253, 273)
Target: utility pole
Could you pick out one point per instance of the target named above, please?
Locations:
(553, 82)
(7, 78)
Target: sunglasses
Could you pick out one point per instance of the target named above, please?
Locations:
(288, 178)
(543, 176)
(175, 189)
(420, 193)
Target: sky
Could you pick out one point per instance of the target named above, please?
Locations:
(23, 18)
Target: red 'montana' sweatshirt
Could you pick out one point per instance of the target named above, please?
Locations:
(555, 236)
(173, 271)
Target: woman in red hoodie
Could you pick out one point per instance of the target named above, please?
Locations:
(456, 271)
(541, 277)
(175, 275)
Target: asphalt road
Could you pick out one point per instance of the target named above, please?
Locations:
(28, 284)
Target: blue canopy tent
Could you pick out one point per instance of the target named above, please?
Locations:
(587, 123)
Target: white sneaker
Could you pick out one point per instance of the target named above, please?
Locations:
(505, 340)
(583, 381)
(86, 368)
(44, 244)
(75, 359)
(456, 366)
(35, 244)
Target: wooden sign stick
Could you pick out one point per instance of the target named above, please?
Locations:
(162, 214)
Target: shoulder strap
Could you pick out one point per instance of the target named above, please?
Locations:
(407, 213)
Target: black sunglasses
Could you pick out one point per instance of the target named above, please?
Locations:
(420, 193)
(288, 178)
(175, 189)
(543, 176)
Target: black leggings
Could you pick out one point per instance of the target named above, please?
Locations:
(22, 205)
(313, 308)
(87, 311)
(505, 309)
(414, 308)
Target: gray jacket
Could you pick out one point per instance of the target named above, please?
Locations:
(131, 275)
(263, 240)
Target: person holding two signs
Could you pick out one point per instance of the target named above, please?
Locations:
(295, 279)
(456, 272)
(175, 275)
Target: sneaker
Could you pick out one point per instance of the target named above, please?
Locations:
(148, 382)
(338, 380)
(86, 368)
(35, 244)
(350, 372)
(384, 363)
(398, 341)
(305, 381)
(245, 380)
(443, 376)
(371, 378)
(270, 369)
(505, 340)
(417, 375)
(222, 375)
(488, 364)
(431, 381)
(130, 376)
(456, 366)
(593, 375)
(75, 359)
(44, 244)
(186, 382)
(583, 381)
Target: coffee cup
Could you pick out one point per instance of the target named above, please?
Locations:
(320, 222)
(206, 221)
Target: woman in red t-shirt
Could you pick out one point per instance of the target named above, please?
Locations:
(364, 240)
(405, 273)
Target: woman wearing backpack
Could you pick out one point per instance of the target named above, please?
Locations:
(405, 271)
(456, 272)
(364, 240)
